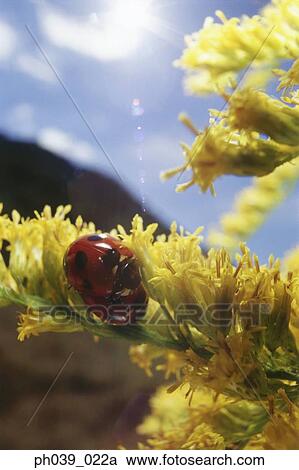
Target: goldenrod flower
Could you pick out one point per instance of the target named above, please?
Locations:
(228, 367)
(256, 133)
(144, 355)
(176, 273)
(292, 97)
(35, 322)
(200, 437)
(173, 424)
(219, 51)
(291, 268)
(222, 328)
(174, 421)
(36, 249)
(253, 204)
(288, 79)
(254, 110)
(281, 431)
(291, 261)
(168, 410)
(220, 151)
(209, 322)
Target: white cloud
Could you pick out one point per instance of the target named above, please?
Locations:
(22, 61)
(93, 37)
(34, 67)
(7, 40)
(65, 144)
(21, 118)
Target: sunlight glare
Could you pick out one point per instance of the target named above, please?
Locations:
(132, 14)
(126, 21)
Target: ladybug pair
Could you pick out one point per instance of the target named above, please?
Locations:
(105, 273)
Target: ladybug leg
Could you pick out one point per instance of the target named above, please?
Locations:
(114, 298)
(118, 312)
(117, 288)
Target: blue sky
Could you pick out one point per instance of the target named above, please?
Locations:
(104, 69)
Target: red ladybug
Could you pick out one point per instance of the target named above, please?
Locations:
(105, 273)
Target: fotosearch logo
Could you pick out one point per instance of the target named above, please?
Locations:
(216, 315)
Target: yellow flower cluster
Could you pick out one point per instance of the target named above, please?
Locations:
(257, 133)
(291, 261)
(288, 79)
(225, 330)
(204, 306)
(236, 144)
(291, 265)
(144, 355)
(173, 424)
(33, 276)
(210, 324)
(253, 204)
(281, 431)
(33, 323)
(215, 422)
(217, 309)
(36, 250)
(253, 110)
(219, 51)
(187, 437)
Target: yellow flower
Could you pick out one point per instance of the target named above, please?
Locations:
(174, 421)
(235, 143)
(167, 410)
(219, 151)
(5, 275)
(281, 431)
(291, 267)
(34, 323)
(145, 355)
(176, 274)
(292, 97)
(219, 51)
(36, 249)
(291, 261)
(253, 204)
(228, 367)
(209, 322)
(34, 276)
(288, 79)
(254, 110)
(173, 424)
(202, 437)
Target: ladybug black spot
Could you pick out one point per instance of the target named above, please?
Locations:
(87, 284)
(94, 238)
(80, 260)
(111, 258)
(129, 276)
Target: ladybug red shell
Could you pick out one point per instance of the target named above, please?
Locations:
(105, 273)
